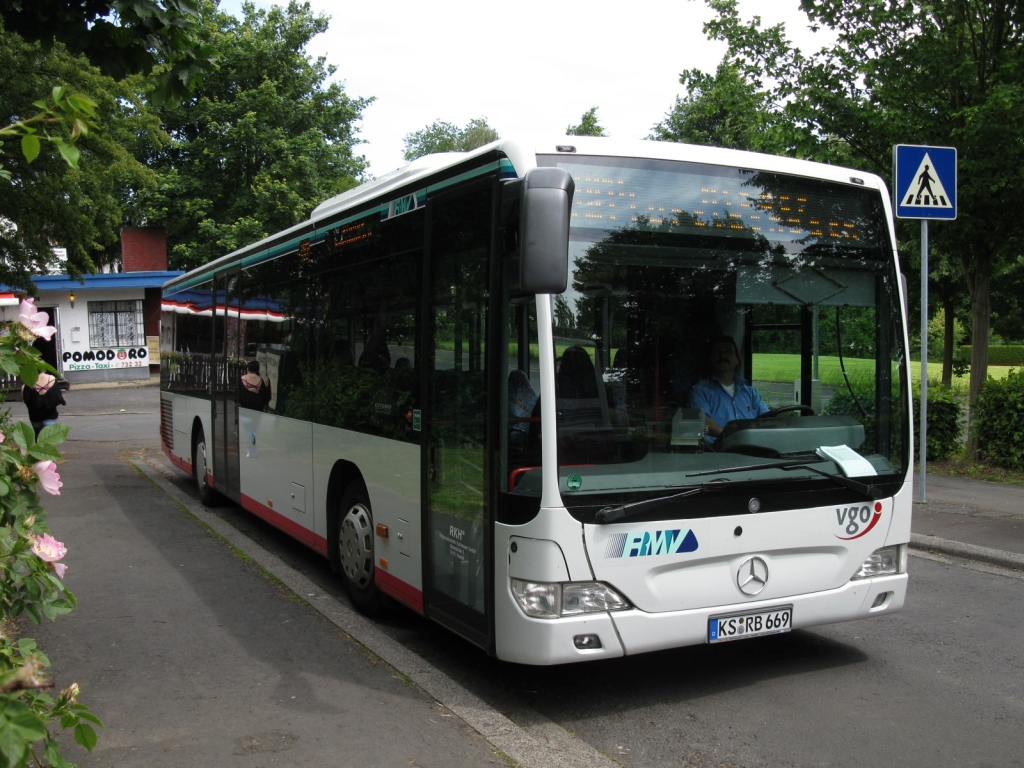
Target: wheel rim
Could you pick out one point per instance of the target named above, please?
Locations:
(201, 465)
(355, 544)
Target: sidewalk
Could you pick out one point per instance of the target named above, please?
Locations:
(975, 519)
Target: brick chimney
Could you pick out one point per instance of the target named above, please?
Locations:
(144, 249)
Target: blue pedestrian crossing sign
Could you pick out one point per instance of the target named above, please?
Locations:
(924, 182)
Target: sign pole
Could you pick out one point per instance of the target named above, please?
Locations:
(923, 448)
(924, 187)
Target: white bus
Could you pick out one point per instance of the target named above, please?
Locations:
(484, 374)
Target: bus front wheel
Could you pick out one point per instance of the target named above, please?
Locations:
(353, 549)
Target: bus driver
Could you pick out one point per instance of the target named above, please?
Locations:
(725, 395)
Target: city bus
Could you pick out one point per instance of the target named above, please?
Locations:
(481, 376)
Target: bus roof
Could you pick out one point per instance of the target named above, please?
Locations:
(522, 154)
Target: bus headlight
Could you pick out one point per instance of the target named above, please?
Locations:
(886, 561)
(546, 600)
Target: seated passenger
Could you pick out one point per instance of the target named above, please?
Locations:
(521, 402)
(725, 395)
(576, 377)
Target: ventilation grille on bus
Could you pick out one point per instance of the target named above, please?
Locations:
(167, 423)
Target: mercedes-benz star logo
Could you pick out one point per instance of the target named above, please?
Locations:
(752, 576)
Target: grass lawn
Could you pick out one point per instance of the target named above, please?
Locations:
(957, 466)
(787, 368)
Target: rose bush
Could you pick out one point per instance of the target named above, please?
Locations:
(31, 571)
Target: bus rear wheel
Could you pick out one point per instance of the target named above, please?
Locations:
(353, 549)
(200, 462)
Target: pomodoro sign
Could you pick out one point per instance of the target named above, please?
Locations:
(134, 357)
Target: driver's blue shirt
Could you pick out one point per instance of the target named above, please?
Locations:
(716, 402)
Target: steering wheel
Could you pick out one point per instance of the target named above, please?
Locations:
(786, 409)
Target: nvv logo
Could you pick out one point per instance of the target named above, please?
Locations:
(647, 543)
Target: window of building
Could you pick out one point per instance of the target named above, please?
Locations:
(116, 324)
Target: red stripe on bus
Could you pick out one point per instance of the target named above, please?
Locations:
(404, 593)
(293, 529)
(179, 463)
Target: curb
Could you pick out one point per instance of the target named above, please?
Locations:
(551, 747)
(968, 551)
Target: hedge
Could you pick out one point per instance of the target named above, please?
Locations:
(999, 418)
(945, 428)
(1003, 354)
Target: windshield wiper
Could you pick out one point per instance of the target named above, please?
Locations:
(745, 467)
(854, 485)
(611, 514)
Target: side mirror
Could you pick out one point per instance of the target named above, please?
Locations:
(544, 230)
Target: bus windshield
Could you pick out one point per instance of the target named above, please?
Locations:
(721, 325)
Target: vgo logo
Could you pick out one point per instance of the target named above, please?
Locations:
(857, 521)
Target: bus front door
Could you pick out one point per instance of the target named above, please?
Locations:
(226, 376)
(456, 527)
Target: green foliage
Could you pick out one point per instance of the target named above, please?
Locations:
(588, 125)
(53, 200)
(69, 112)
(723, 110)
(999, 416)
(1006, 354)
(31, 578)
(261, 141)
(945, 422)
(937, 335)
(445, 137)
(122, 37)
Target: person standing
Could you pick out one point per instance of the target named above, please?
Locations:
(42, 400)
(254, 392)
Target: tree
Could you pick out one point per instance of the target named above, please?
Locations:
(121, 37)
(944, 73)
(588, 125)
(48, 202)
(440, 136)
(724, 110)
(259, 143)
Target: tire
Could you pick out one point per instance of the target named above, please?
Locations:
(200, 462)
(352, 549)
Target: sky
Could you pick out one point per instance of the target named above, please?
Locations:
(530, 68)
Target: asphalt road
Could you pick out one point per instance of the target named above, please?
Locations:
(941, 683)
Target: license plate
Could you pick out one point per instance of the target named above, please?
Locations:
(737, 626)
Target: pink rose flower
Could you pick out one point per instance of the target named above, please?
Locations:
(34, 321)
(47, 548)
(2, 437)
(48, 477)
(60, 569)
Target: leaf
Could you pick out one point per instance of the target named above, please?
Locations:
(24, 435)
(89, 716)
(70, 153)
(85, 735)
(54, 434)
(61, 606)
(44, 452)
(12, 745)
(82, 103)
(31, 726)
(10, 365)
(28, 371)
(54, 756)
(30, 147)
(33, 612)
